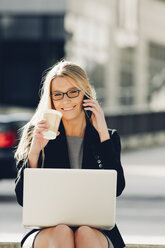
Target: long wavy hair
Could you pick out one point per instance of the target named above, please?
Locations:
(61, 69)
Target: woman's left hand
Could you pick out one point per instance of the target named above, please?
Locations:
(97, 118)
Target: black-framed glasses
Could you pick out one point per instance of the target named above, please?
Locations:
(60, 95)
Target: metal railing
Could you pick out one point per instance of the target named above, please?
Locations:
(137, 123)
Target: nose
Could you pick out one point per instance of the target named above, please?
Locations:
(66, 98)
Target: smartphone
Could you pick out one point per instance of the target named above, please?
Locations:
(87, 112)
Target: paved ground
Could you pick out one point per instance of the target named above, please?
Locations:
(140, 209)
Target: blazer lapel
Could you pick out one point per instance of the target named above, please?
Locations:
(90, 144)
(58, 149)
(64, 146)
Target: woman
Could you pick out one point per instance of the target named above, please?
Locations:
(82, 142)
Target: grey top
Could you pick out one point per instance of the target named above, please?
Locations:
(75, 148)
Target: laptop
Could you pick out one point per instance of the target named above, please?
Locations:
(73, 197)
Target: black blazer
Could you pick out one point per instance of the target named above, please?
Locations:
(96, 155)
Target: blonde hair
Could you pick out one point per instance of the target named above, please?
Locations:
(61, 69)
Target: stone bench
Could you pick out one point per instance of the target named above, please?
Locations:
(9, 245)
(17, 245)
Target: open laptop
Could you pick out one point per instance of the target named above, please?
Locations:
(73, 197)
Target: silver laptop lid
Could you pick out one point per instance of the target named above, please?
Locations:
(73, 197)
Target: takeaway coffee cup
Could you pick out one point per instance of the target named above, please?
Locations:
(53, 118)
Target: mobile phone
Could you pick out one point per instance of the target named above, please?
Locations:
(87, 112)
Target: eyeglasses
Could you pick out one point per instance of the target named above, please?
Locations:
(60, 95)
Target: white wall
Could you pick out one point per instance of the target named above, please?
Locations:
(151, 29)
(152, 20)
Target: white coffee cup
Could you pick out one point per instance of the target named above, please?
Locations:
(53, 118)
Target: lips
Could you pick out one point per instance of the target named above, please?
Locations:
(68, 109)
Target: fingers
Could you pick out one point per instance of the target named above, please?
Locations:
(42, 122)
(91, 105)
(91, 102)
(40, 130)
(94, 111)
(41, 126)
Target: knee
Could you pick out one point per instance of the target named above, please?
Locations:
(54, 235)
(83, 234)
(62, 231)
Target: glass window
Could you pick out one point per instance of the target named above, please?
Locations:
(126, 78)
(56, 27)
(32, 27)
(156, 68)
(20, 27)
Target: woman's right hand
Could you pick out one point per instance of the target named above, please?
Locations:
(38, 141)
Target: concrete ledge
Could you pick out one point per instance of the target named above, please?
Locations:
(9, 245)
(17, 245)
(144, 246)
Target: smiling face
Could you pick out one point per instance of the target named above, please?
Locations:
(71, 108)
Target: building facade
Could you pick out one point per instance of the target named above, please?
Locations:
(32, 38)
(121, 44)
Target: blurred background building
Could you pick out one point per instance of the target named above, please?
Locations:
(120, 43)
(32, 38)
